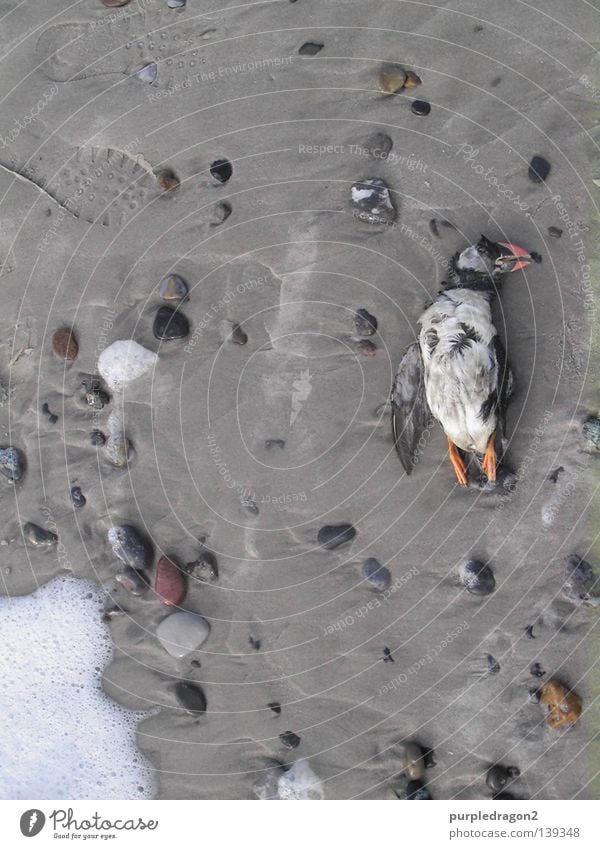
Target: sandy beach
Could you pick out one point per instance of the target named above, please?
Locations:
(220, 142)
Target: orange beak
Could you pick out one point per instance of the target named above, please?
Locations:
(517, 255)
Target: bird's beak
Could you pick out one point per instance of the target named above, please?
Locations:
(515, 255)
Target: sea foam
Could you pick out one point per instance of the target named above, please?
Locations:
(61, 736)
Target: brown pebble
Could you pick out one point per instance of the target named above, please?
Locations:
(167, 179)
(64, 344)
(169, 582)
(367, 348)
(391, 78)
(564, 706)
(413, 762)
(412, 80)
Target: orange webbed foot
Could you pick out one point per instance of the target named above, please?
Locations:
(489, 459)
(458, 464)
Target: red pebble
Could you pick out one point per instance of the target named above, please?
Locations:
(169, 582)
(367, 348)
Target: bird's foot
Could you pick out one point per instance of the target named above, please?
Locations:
(458, 464)
(489, 460)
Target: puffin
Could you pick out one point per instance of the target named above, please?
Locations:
(457, 372)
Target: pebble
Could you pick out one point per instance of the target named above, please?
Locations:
(275, 707)
(412, 80)
(420, 107)
(536, 670)
(498, 776)
(97, 438)
(290, 740)
(169, 582)
(564, 706)
(77, 497)
(64, 344)
(205, 568)
(536, 257)
(237, 335)
(331, 536)
(417, 790)
(118, 450)
(191, 697)
(167, 179)
(221, 170)
(148, 73)
(254, 643)
(38, 536)
(133, 580)
(367, 348)
(591, 432)
(221, 213)
(365, 323)
(413, 763)
(46, 411)
(274, 443)
(173, 288)
(378, 145)
(391, 78)
(477, 577)
(555, 232)
(539, 168)
(376, 574)
(125, 361)
(310, 48)
(12, 463)
(182, 632)
(170, 324)
(581, 583)
(97, 399)
(372, 202)
(176, 4)
(493, 667)
(129, 546)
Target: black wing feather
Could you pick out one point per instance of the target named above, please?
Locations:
(505, 384)
(410, 410)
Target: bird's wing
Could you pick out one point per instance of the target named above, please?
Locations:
(505, 385)
(410, 411)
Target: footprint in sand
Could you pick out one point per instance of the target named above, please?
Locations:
(172, 41)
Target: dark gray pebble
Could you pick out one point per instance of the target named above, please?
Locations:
(274, 443)
(539, 168)
(205, 568)
(417, 790)
(275, 707)
(378, 145)
(129, 546)
(433, 226)
(376, 574)
(97, 399)
(555, 232)
(365, 323)
(221, 213)
(254, 643)
(290, 740)
(421, 107)
(77, 497)
(191, 697)
(310, 48)
(372, 202)
(553, 476)
(536, 670)
(493, 667)
(133, 580)
(581, 583)
(97, 438)
(331, 536)
(170, 324)
(12, 463)
(477, 577)
(221, 170)
(37, 536)
(238, 336)
(46, 411)
(498, 776)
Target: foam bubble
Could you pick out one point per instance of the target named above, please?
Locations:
(61, 736)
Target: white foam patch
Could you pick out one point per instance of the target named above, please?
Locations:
(61, 736)
(123, 361)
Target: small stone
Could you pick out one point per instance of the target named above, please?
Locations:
(77, 497)
(46, 411)
(97, 438)
(591, 432)
(129, 546)
(331, 536)
(205, 568)
(366, 348)
(498, 776)
(376, 574)
(221, 213)
(169, 582)
(64, 344)
(378, 145)
(173, 288)
(581, 585)
(12, 463)
(417, 790)
(564, 706)
(274, 443)
(365, 323)
(555, 232)
(539, 168)
(275, 707)
(148, 73)
(37, 536)
(412, 80)
(191, 697)
(254, 643)
(420, 107)
(391, 78)
(133, 580)
(167, 179)
(221, 170)
(97, 399)
(237, 336)
(290, 740)
(176, 4)
(433, 226)
(182, 633)
(125, 361)
(412, 761)
(536, 670)
(372, 202)
(118, 450)
(477, 577)
(170, 324)
(310, 48)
